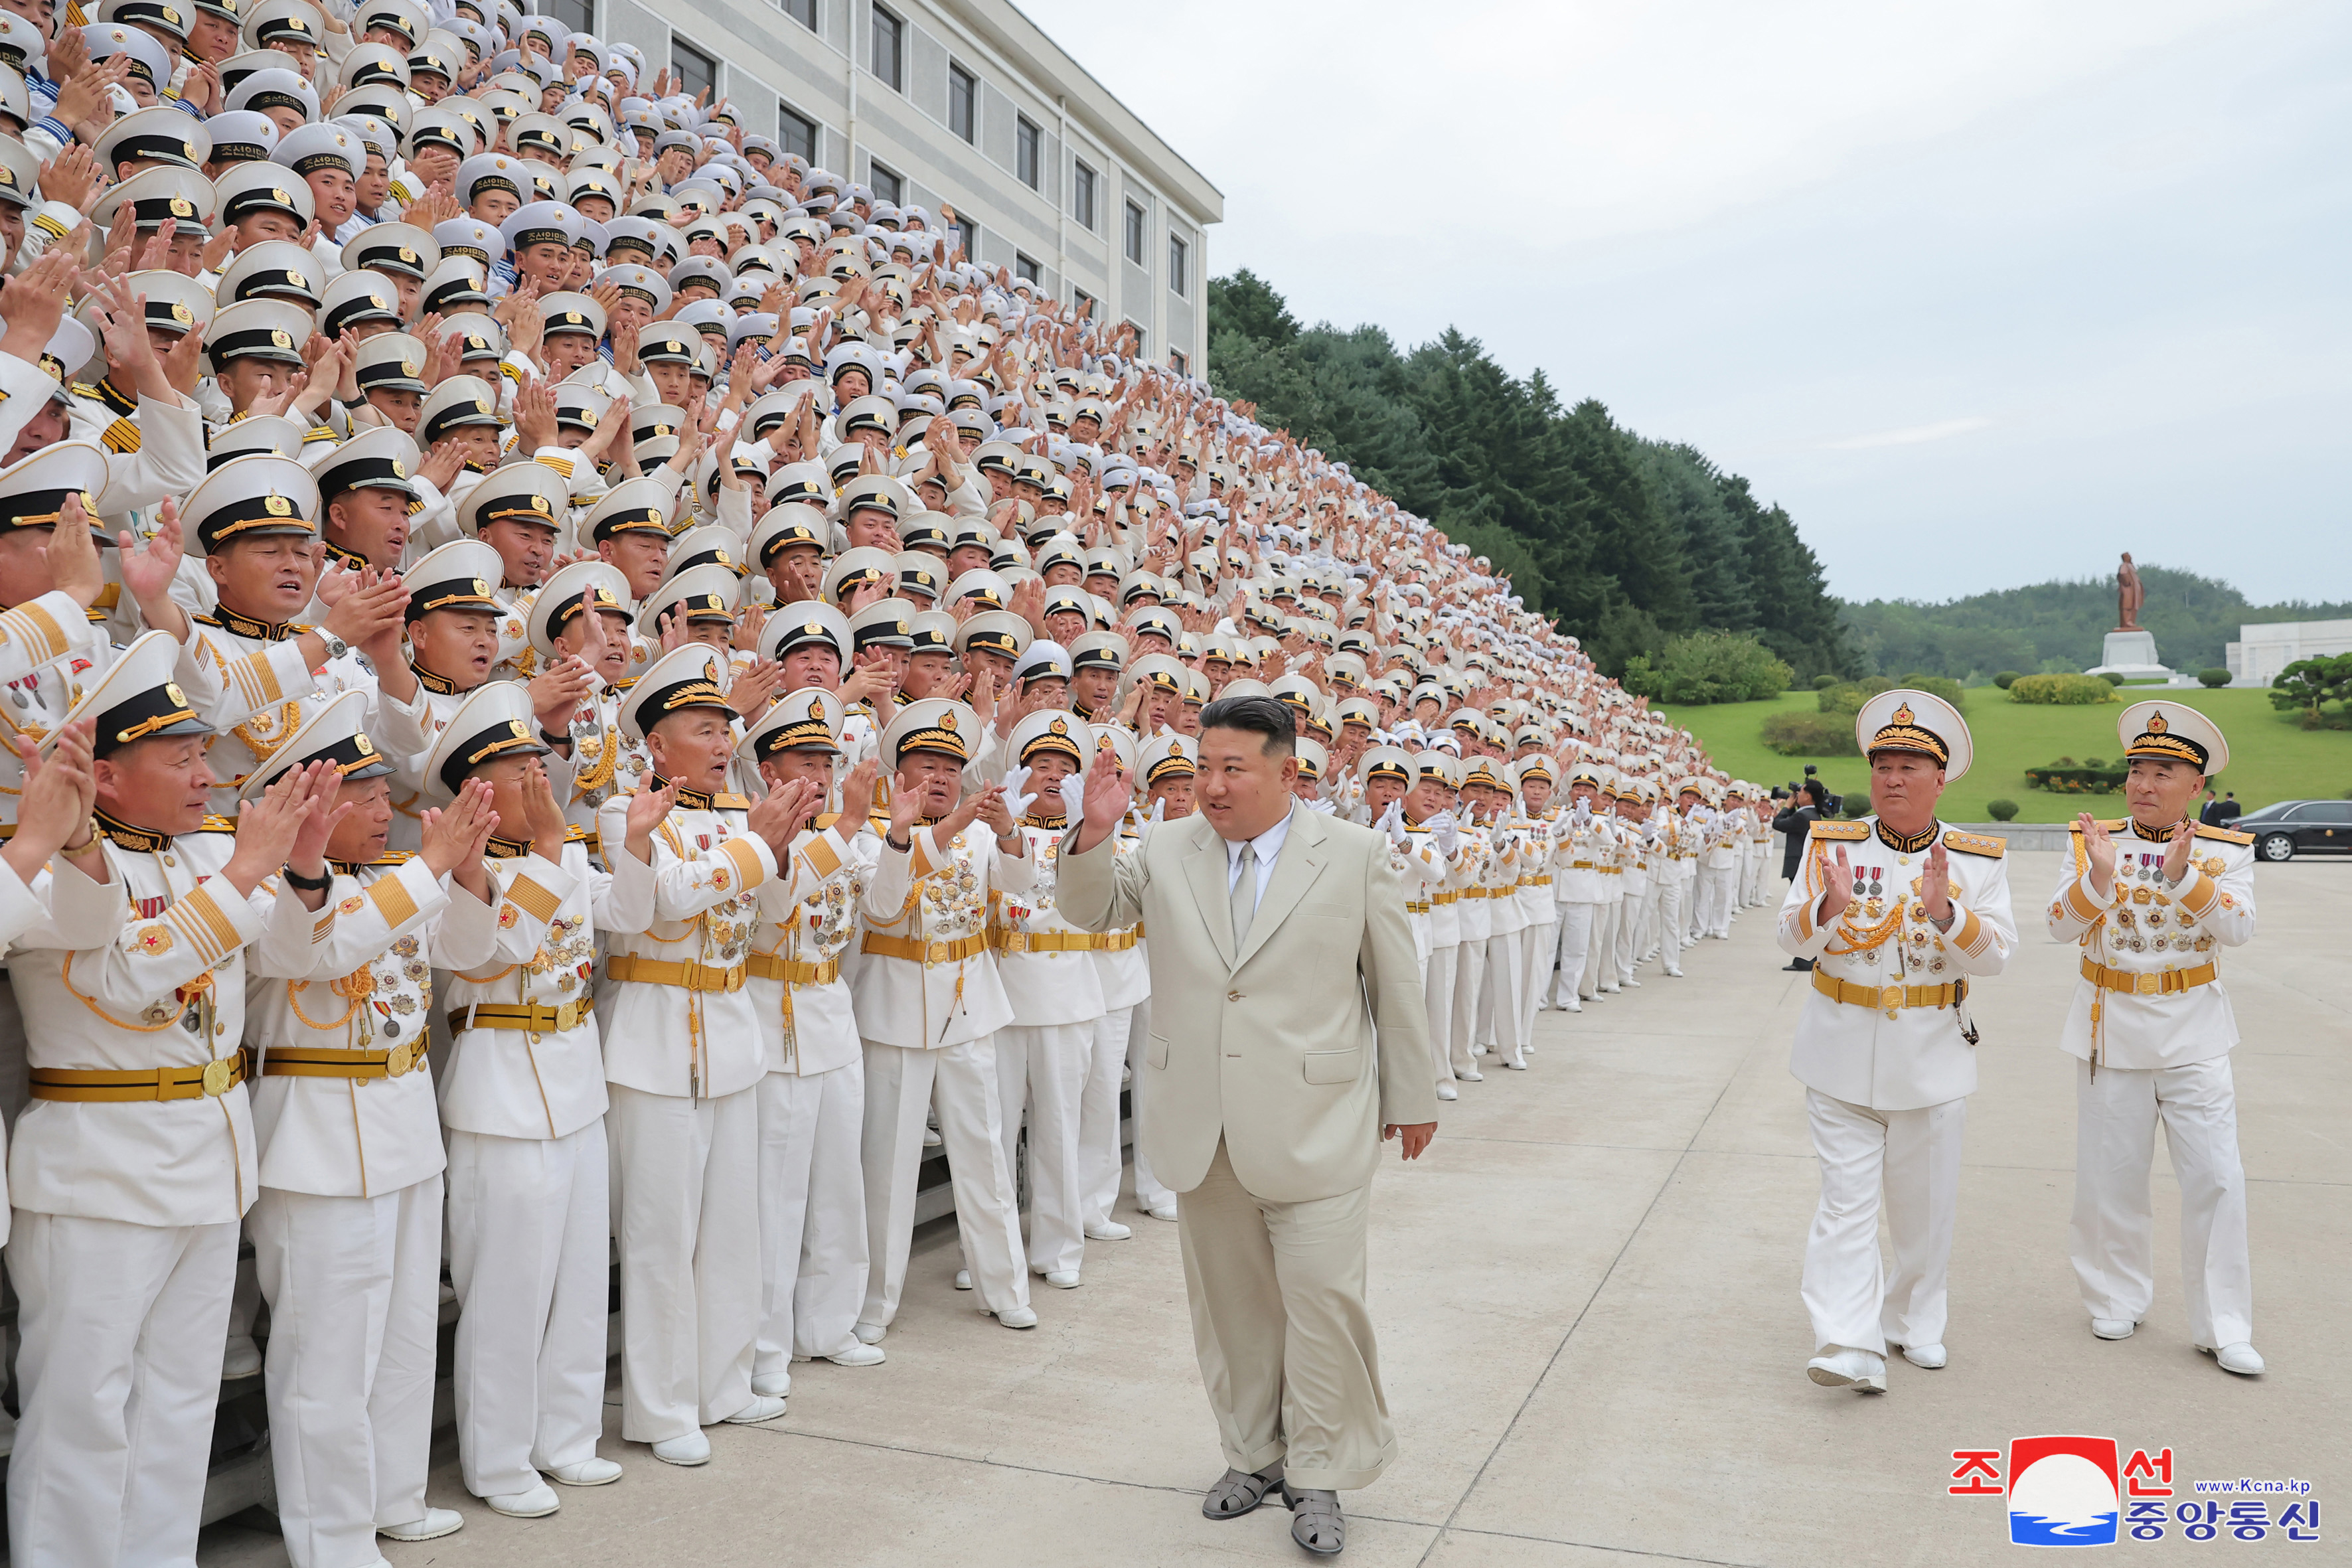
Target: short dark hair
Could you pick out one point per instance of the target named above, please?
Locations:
(1264, 716)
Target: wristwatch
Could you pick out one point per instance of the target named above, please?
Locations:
(336, 646)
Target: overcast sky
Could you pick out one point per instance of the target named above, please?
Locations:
(1982, 292)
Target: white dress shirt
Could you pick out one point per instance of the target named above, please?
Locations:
(1268, 845)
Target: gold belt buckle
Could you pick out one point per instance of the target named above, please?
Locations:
(567, 1016)
(2148, 985)
(220, 1075)
(1891, 998)
(398, 1061)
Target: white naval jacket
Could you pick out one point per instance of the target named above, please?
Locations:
(1124, 973)
(936, 893)
(712, 883)
(1579, 849)
(1423, 872)
(165, 988)
(367, 985)
(808, 1028)
(1916, 1057)
(263, 662)
(1046, 987)
(512, 1083)
(2143, 928)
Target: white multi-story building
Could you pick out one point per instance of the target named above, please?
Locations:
(966, 103)
(2265, 648)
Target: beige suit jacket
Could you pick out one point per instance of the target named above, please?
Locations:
(1298, 1047)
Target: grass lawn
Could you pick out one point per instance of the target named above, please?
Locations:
(2270, 758)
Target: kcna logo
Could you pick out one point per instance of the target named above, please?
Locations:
(2063, 1491)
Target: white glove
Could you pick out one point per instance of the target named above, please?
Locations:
(1391, 822)
(1324, 806)
(1073, 797)
(1441, 827)
(1015, 801)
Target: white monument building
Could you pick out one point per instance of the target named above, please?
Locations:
(2261, 651)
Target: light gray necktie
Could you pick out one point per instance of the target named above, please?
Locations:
(1244, 894)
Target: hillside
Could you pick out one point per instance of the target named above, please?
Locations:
(2058, 626)
(1624, 542)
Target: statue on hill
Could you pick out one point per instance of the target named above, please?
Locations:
(2129, 594)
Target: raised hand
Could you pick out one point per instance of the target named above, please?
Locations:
(57, 793)
(543, 816)
(1841, 889)
(1106, 798)
(323, 816)
(778, 814)
(267, 827)
(458, 832)
(1015, 781)
(1935, 886)
(2175, 854)
(558, 692)
(755, 688)
(72, 554)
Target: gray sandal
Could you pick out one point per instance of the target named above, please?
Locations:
(1238, 1492)
(1314, 1520)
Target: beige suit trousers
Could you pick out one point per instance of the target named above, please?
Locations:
(1283, 1335)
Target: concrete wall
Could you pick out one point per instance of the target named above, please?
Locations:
(766, 57)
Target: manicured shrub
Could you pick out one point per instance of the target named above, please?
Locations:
(2001, 810)
(2005, 679)
(2212, 677)
(1810, 734)
(2065, 690)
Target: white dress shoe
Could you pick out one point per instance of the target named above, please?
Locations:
(1635, 983)
(1932, 1357)
(1471, 1075)
(241, 1358)
(693, 1449)
(1677, 974)
(437, 1524)
(773, 1384)
(1515, 1067)
(869, 1333)
(1447, 1092)
(762, 1407)
(1574, 1005)
(1166, 1210)
(1858, 1370)
(1060, 1279)
(931, 1137)
(1108, 1230)
(2113, 1328)
(964, 1279)
(537, 1503)
(595, 1472)
(2241, 1358)
(1018, 1317)
(859, 1355)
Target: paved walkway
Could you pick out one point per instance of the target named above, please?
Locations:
(1592, 1344)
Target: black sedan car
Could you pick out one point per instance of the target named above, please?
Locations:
(2286, 828)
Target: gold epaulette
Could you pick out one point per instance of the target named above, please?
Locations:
(2117, 826)
(1975, 843)
(2226, 835)
(574, 833)
(1845, 830)
(825, 820)
(218, 824)
(731, 802)
(395, 857)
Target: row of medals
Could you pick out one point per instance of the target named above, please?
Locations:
(2152, 917)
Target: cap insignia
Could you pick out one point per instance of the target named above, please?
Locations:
(2156, 722)
(1901, 714)
(277, 506)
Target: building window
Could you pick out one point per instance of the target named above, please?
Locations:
(962, 91)
(889, 49)
(697, 72)
(1027, 141)
(1134, 234)
(887, 185)
(1024, 267)
(801, 11)
(1175, 264)
(1079, 300)
(1178, 362)
(1138, 329)
(796, 132)
(1082, 197)
(576, 14)
(967, 235)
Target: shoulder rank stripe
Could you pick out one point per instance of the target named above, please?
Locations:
(1974, 844)
(218, 824)
(1848, 830)
(122, 438)
(2117, 826)
(2226, 835)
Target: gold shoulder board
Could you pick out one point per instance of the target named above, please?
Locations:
(731, 802)
(218, 824)
(2226, 835)
(1974, 844)
(1848, 830)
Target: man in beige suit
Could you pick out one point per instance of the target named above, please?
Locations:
(1287, 1041)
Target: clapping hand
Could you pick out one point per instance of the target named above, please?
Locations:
(457, 833)
(1073, 791)
(1841, 889)
(1935, 886)
(1016, 783)
(1391, 822)
(1447, 833)
(778, 814)
(2175, 854)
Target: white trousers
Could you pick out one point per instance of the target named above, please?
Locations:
(2113, 1238)
(1049, 1065)
(1437, 998)
(1537, 943)
(901, 1086)
(1601, 951)
(812, 1260)
(1575, 936)
(1469, 989)
(1670, 926)
(1098, 1117)
(117, 1373)
(1704, 886)
(1723, 883)
(1910, 1161)
(689, 1173)
(1498, 1008)
(1151, 1192)
(1751, 879)
(1626, 950)
(530, 1254)
(354, 1293)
